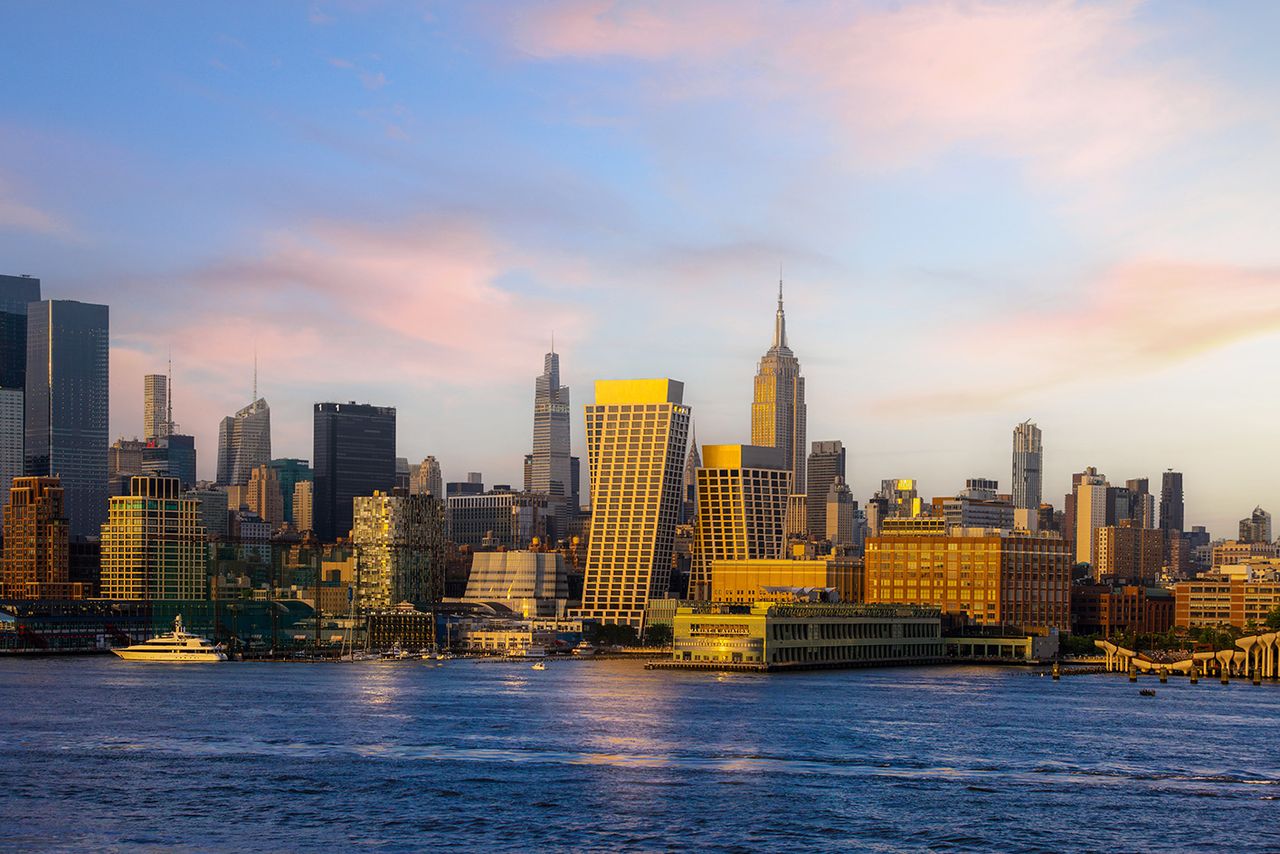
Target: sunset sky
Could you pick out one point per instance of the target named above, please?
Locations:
(984, 212)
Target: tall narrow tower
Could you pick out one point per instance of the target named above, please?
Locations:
(1027, 462)
(778, 410)
(155, 406)
(550, 472)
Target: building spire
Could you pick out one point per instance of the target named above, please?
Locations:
(168, 398)
(255, 374)
(780, 320)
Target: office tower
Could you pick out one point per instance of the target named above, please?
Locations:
(290, 471)
(303, 505)
(173, 454)
(1256, 528)
(1144, 507)
(426, 479)
(155, 406)
(16, 293)
(689, 481)
(124, 458)
(826, 463)
(498, 519)
(993, 578)
(778, 410)
(1090, 512)
(841, 514)
(979, 505)
(742, 507)
(1171, 509)
(1027, 461)
(399, 545)
(1128, 552)
(265, 497)
(67, 402)
(402, 474)
(462, 487)
(355, 455)
(902, 499)
(549, 469)
(575, 484)
(475, 478)
(211, 510)
(244, 443)
(153, 547)
(11, 430)
(36, 542)
(637, 439)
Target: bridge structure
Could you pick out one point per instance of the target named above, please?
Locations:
(1256, 656)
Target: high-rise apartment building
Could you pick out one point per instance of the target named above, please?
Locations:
(265, 496)
(303, 503)
(549, 472)
(1128, 552)
(66, 407)
(399, 544)
(1090, 512)
(153, 546)
(1171, 507)
(826, 463)
(355, 455)
(211, 511)
(16, 293)
(290, 471)
(742, 507)
(36, 542)
(1256, 528)
(778, 412)
(427, 479)
(155, 406)
(244, 443)
(1027, 463)
(637, 439)
(841, 515)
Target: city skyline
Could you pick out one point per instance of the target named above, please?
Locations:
(1113, 279)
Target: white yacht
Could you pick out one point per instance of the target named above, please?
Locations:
(179, 645)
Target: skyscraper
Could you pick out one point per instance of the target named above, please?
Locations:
(1144, 503)
(265, 496)
(549, 472)
(355, 455)
(1090, 513)
(778, 410)
(303, 505)
(1027, 461)
(244, 443)
(637, 438)
(427, 479)
(36, 545)
(1256, 528)
(67, 402)
(1171, 509)
(290, 471)
(153, 546)
(841, 516)
(399, 543)
(742, 506)
(826, 463)
(155, 406)
(16, 292)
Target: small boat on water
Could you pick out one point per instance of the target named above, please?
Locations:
(539, 665)
(1148, 692)
(177, 646)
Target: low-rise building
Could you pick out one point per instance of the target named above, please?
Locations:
(1105, 609)
(531, 584)
(1216, 600)
(743, 582)
(1233, 551)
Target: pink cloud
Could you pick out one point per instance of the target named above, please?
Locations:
(1137, 318)
(17, 215)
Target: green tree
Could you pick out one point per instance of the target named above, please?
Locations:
(658, 635)
(1273, 619)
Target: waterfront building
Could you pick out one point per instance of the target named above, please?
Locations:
(426, 479)
(36, 542)
(784, 636)
(637, 435)
(742, 504)
(1171, 504)
(1027, 466)
(530, 584)
(303, 505)
(16, 293)
(1090, 503)
(244, 443)
(511, 520)
(827, 462)
(290, 471)
(1107, 609)
(153, 546)
(355, 455)
(155, 407)
(1214, 601)
(399, 545)
(1234, 551)
(744, 582)
(841, 516)
(1128, 552)
(211, 510)
(778, 411)
(549, 470)
(66, 405)
(992, 577)
(1256, 528)
(265, 497)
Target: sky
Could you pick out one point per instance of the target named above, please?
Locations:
(983, 212)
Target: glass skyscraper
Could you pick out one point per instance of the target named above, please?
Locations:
(67, 405)
(16, 293)
(355, 455)
(244, 443)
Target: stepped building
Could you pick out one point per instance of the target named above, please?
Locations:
(778, 410)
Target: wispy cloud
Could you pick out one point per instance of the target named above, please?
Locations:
(18, 215)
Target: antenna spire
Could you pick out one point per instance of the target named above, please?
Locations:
(255, 374)
(168, 416)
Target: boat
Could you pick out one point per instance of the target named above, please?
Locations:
(1147, 692)
(177, 646)
(539, 665)
(584, 648)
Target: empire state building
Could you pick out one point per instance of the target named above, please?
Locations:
(778, 410)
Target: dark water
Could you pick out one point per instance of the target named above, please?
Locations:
(105, 754)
